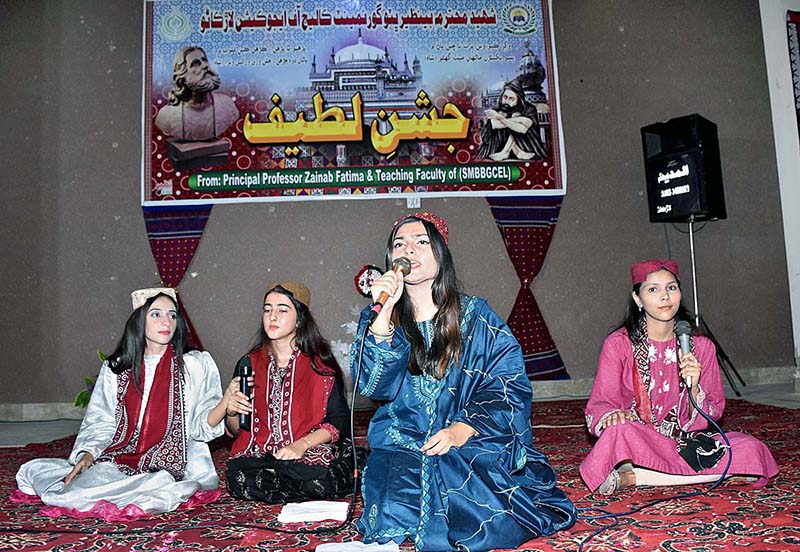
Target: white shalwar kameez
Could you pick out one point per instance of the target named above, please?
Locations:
(152, 492)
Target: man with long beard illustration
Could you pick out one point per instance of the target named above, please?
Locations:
(511, 131)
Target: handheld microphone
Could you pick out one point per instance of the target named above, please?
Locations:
(684, 332)
(244, 369)
(400, 264)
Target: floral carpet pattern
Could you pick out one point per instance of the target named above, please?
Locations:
(734, 516)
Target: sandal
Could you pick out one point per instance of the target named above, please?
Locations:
(611, 484)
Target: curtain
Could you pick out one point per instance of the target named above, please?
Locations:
(527, 225)
(174, 234)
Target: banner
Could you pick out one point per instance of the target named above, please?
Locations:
(262, 101)
(793, 28)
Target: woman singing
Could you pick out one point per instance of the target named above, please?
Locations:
(452, 465)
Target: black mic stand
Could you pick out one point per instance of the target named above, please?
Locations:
(723, 359)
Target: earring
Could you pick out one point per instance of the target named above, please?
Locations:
(641, 308)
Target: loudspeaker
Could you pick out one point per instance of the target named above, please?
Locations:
(683, 171)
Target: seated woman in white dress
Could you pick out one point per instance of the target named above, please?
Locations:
(141, 448)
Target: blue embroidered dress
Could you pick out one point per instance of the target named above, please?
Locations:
(496, 491)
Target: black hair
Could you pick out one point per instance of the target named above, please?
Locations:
(446, 290)
(129, 353)
(308, 338)
(633, 316)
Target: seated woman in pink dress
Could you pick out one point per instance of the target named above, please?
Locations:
(649, 432)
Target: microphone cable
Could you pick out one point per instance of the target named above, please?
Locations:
(272, 528)
(605, 514)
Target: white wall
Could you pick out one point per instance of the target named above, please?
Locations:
(787, 142)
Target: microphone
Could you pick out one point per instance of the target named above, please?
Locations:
(684, 332)
(244, 369)
(400, 264)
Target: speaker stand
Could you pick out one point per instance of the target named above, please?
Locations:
(723, 359)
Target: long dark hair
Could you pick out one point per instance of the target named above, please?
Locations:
(633, 316)
(129, 352)
(446, 289)
(308, 337)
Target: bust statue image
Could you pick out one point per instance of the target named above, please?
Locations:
(194, 111)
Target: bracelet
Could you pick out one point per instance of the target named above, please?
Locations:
(384, 335)
(308, 442)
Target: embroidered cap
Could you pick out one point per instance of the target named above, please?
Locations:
(140, 296)
(298, 290)
(640, 270)
(438, 222)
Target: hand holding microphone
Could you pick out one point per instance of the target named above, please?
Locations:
(244, 370)
(683, 331)
(401, 267)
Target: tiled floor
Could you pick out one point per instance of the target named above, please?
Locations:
(773, 394)
(22, 433)
(14, 434)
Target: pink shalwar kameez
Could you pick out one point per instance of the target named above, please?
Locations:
(642, 444)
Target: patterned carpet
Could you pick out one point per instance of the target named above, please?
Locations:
(732, 517)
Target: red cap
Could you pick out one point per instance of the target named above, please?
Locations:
(639, 271)
(438, 222)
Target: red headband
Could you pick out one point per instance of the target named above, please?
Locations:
(438, 222)
(639, 271)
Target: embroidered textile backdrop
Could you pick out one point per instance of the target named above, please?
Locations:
(174, 234)
(527, 226)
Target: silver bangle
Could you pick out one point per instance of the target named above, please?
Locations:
(384, 335)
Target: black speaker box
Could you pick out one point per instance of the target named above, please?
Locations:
(683, 171)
